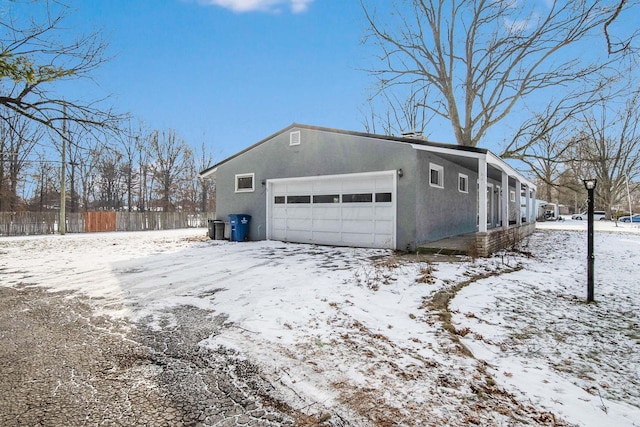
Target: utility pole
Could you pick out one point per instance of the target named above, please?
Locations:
(63, 177)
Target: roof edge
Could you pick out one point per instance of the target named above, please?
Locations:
(414, 141)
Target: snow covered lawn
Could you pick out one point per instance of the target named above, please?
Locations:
(545, 343)
(357, 332)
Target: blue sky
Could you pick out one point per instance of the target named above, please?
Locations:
(234, 73)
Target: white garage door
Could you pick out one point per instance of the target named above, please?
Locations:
(344, 210)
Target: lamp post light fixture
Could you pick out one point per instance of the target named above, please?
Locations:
(590, 185)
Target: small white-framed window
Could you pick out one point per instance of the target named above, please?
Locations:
(436, 175)
(245, 182)
(294, 138)
(512, 196)
(463, 183)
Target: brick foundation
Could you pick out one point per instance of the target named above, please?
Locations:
(502, 238)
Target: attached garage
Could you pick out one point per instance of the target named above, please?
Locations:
(326, 186)
(349, 210)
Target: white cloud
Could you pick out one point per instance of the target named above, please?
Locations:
(299, 6)
(240, 6)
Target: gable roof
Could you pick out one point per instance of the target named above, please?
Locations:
(413, 141)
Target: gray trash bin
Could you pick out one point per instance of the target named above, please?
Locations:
(211, 230)
(216, 229)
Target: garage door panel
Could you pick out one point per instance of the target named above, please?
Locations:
(382, 241)
(383, 227)
(381, 182)
(325, 225)
(279, 224)
(278, 234)
(302, 236)
(336, 210)
(327, 213)
(299, 212)
(328, 186)
(299, 224)
(385, 212)
(298, 187)
(322, 237)
(358, 239)
(357, 185)
(358, 213)
(278, 213)
(357, 226)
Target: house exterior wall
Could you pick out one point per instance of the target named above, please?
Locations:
(443, 212)
(319, 153)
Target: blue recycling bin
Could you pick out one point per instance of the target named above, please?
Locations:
(239, 227)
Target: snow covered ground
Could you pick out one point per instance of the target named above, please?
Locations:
(358, 331)
(582, 361)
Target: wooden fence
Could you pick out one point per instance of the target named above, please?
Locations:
(26, 223)
(99, 221)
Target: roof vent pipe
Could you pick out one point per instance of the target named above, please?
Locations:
(414, 135)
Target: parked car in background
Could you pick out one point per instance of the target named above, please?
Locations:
(634, 218)
(597, 215)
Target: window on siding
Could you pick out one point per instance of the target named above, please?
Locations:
(294, 138)
(326, 198)
(244, 182)
(512, 196)
(357, 198)
(383, 197)
(436, 175)
(298, 199)
(463, 183)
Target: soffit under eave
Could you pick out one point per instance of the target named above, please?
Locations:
(469, 160)
(211, 173)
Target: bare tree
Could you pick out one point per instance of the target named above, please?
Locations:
(129, 145)
(46, 196)
(143, 170)
(608, 149)
(80, 148)
(557, 122)
(171, 160)
(400, 115)
(480, 59)
(187, 192)
(545, 162)
(620, 41)
(207, 185)
(111, 185)
(17, 140)
(36, 53)
(87, 175)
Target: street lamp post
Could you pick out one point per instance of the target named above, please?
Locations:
(590, 185)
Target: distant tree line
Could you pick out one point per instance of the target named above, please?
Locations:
(602, 143)
(129, 170)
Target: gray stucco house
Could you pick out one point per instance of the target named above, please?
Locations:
(319, 185)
